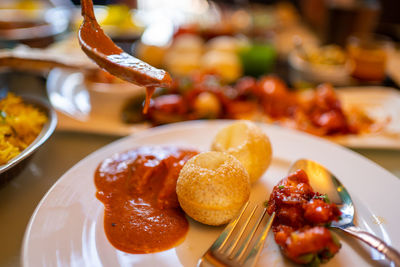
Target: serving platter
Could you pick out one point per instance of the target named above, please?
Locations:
(66, 228)
(380, 103)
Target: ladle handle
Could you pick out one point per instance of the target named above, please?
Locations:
(87, 9)
(373, 241)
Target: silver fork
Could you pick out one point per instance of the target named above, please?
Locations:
(233, 246)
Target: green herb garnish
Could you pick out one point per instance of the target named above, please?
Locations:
(324, 198)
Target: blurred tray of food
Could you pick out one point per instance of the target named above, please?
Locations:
(229, 42)
(355, 117)
(350, 66)
(227, 56)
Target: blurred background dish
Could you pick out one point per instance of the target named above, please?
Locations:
(108, 95)
(36, 27)
(88, 105)
(41, 61)
(319, 64)
(369, 55)
(67, 93)
(118, 21)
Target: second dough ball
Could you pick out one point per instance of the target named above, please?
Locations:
(248, 143)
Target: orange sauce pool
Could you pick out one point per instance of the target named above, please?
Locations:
(137, 187)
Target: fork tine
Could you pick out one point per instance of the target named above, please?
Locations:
(225, 235)
(221, 251)
(240, 253)
(259, 242)
(239, 236)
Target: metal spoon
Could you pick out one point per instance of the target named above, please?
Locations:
(323, 181)
(101, 49)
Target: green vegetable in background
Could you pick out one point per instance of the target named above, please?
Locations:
(257, 59)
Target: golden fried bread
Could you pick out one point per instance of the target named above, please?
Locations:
(248, 143)
(212, 187)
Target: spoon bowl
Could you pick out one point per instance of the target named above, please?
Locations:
(101, 49)
(323, 181)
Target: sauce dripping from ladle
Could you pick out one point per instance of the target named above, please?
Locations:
(102, 50)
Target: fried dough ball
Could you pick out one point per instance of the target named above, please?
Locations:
(207, 105)
(227, 65)
(184, 55)
(212, 187)
(182, 64)
(152, 54)
(188, 43)
(246, 142)
(224, 43)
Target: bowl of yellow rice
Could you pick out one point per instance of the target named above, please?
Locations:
(26, 122)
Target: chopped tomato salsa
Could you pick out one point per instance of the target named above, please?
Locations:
(301, 218)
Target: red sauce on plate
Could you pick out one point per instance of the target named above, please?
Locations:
(137, 187)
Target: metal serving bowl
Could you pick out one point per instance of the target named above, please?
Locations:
(15, 165)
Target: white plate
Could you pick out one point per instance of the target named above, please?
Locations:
(71, 99)
(66, 228)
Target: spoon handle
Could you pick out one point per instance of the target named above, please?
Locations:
(373, 241)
